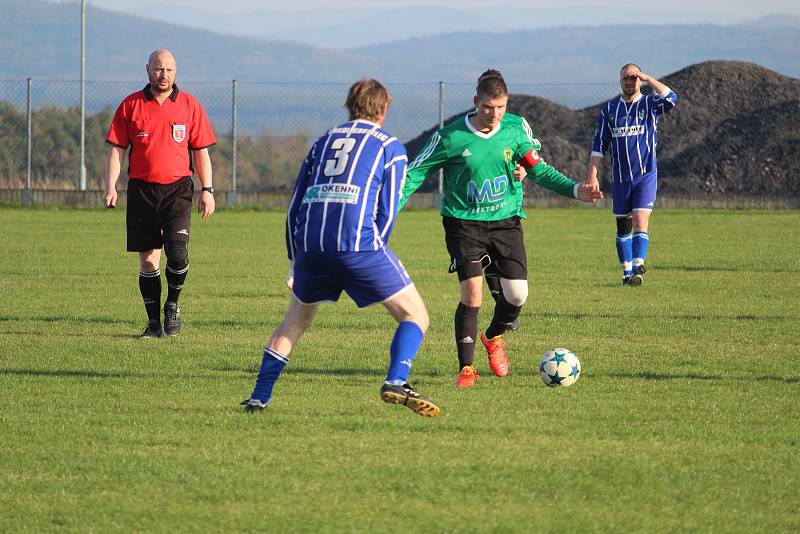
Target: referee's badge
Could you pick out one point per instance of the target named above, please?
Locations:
(509, 154)
(178, 132)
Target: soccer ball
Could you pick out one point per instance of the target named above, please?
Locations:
(559, 367)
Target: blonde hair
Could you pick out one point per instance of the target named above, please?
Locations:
(367, 99)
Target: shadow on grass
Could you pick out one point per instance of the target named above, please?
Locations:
(133, 330)
(63, 373)
(695, 376)
(87, 333)
(579, 316)
(328, 371)
(76, 373)
(62, 319)
(721, 269)
(112, 321)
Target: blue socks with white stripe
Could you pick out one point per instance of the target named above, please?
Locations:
(640, 242)
(272, 364)
(625, 253)
(406, 342)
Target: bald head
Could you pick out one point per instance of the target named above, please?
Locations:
(160, 55)
(161, 69)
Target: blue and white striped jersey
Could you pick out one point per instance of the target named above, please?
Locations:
(628, 131)
(347, 192)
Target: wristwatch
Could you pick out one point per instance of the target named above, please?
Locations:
(209, 189)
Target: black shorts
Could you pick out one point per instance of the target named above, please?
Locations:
(158, 213)
(476, 245)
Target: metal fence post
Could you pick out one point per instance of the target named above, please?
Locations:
(27, 193)
(82, 182)
(231, 198)
(438, 197)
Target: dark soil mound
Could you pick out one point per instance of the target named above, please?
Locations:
(733, 131)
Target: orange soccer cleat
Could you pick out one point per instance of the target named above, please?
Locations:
(497, 356)
(467, 377)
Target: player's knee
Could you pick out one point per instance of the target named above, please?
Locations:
(624, 225)
(471, 297)
(422, 319)
(177, 255)
(515, 291)
(148, 266)
(413, 311)
(410, 307)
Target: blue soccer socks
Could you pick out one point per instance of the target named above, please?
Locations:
(641, 240)
(405, 345)
(625, 253)
(272, 364)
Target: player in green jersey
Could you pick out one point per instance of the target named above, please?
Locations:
(484, 157)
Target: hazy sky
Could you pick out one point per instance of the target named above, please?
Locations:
(704, 11)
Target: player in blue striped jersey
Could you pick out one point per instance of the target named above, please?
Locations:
(345, 198)
(341, 214)
(626, 128)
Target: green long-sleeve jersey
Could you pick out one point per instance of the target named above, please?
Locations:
(478, 180)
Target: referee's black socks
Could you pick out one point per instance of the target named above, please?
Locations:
(175, 280)
(150, 287)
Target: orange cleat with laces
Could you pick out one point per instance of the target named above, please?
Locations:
(497, 356)
(467, 377)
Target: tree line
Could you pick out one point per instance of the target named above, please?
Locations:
(264, 161)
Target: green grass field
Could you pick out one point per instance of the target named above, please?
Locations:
(686, 417)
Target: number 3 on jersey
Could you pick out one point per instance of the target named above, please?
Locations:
(342, 147)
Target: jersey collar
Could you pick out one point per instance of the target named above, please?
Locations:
(635, 100)
(148, 93)
(375, 124)
(478, 132)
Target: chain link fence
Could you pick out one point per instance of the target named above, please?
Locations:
(263, 129)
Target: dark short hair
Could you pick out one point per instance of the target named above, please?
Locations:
(626, 65)
(491, 85)
(366, 100)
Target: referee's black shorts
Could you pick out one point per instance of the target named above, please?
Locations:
(475, 245)
(158, 213)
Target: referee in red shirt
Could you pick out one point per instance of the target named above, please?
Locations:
(165, 129)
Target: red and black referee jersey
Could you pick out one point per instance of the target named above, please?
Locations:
(160, 135)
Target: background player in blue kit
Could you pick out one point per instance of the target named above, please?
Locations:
(341, 214)
(626, 127)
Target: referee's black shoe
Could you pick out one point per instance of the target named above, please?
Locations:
(153, 329)
(172, 318)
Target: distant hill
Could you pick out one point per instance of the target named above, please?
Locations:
(732, 132)
(340, 27)
(591, 54)
(778, 20)
(42, 40)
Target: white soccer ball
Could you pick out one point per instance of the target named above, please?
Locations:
(559, 367)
